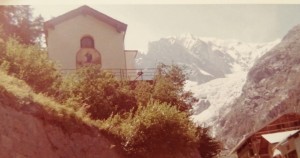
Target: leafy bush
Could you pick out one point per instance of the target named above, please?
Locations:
(155, 130)
(29, 63)
(143, 92)
(103, 94)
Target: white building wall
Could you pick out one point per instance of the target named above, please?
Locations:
(64, 42)
(130, 58)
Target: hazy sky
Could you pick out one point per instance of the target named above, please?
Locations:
(148, 22)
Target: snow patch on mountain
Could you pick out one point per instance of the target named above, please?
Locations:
(205, 73)
(219, 92)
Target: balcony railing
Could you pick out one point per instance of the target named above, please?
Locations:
(126, 74)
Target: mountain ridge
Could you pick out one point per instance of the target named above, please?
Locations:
(205, 58)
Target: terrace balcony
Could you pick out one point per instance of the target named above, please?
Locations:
(146, 74)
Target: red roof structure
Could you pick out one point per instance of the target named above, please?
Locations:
(256, 143)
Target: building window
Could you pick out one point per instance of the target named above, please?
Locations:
(87, 42)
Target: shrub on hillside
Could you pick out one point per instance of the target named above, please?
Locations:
(143, 92)
(159, 127)
(29, 63)
(155, 130)
(101, 91)
(106, 95)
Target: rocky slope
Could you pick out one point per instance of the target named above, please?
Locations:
(23, 135)
(272, 87)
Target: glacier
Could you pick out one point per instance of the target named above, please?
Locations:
(216, 68)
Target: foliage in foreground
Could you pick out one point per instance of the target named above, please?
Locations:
(106, 95)
(149, 120)
(16, 93)
(29, 63)
(155, 130)
(103, 94)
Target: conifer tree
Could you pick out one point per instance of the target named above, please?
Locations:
(18, 21)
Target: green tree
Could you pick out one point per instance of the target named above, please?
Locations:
(168, 87)
(143, 92)
(155, 130)
(208, 146)
(18, 21)
(31, 64)
(101, 91)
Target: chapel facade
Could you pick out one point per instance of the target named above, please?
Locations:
(85, 36)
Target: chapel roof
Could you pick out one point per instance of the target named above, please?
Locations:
(86, 10)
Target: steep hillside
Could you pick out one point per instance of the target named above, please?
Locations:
(272, 87)
(33, 125)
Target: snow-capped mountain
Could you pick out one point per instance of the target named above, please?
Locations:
(204, 58)
(217, 69)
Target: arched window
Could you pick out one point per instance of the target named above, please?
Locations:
(87, 42)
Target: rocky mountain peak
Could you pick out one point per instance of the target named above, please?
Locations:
(205, 58)
(272, 87)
